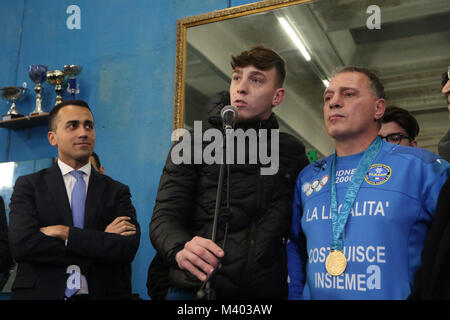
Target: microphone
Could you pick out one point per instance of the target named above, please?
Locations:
(229, 116)
(201, 294)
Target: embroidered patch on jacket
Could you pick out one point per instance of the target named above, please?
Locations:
(316, 185)
(307, 189)
(378, 174)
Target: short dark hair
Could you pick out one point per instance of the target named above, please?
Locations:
(403, 118)
(54, 112)
(263, 59)
(375, 82)
(96, 159)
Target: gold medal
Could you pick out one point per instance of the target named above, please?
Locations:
(336, 263)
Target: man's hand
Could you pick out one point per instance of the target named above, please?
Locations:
(57, 231)
(121, 226)
(199, 257)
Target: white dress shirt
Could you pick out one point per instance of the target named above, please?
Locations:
(69, 182)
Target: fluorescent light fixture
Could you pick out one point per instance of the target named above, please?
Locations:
(326, 83)
(6, 174)
(287, 27)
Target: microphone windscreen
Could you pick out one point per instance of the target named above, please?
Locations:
(229, 115)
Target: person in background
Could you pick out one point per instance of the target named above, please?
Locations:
(432, 280)
(360, 216)
(444, 143)
(73, 231)
(5, 254)
(96, 164)
(399, 127)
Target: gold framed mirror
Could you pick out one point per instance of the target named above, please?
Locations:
(409, 52)
(206, 18)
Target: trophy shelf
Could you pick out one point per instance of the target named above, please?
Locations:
(25, 122)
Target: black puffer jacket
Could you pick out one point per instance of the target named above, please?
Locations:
(254, 265)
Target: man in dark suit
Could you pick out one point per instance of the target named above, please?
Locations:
(5, 255)
(60, 256)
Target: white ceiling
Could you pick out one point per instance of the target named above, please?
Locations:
(409, 53)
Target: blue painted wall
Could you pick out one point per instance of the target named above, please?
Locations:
(127, 50)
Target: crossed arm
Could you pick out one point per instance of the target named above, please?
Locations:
(30, 242)
(120, 225)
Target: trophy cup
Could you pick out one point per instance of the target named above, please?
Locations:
(72, 70)
(13, 94)
(37, 74)
(57, 78)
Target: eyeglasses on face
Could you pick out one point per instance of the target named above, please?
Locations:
(395, 138)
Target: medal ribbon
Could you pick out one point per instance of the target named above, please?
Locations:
(339, 220)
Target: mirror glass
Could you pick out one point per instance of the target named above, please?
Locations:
(409, 52)
(10, 171)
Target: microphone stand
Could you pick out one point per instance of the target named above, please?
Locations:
(206, 291)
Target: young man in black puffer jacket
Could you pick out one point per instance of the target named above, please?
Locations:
(252, 262)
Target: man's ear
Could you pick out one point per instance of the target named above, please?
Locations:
(51, 135)
(278, 97)
(380, 108)
(413, 144)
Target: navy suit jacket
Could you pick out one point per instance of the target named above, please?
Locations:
(40, 200)
(5, 255)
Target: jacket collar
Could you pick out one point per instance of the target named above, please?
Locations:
(55, 184)
(96, 188)
(270, 123)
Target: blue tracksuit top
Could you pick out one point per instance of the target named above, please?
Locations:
(385, 230)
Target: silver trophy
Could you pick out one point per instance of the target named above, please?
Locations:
(72, 70)
(38, 74)
(58, 79)
(14, 94)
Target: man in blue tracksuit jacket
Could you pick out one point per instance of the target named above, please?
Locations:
(388, 213)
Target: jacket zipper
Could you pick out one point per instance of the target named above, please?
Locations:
(252, 234)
